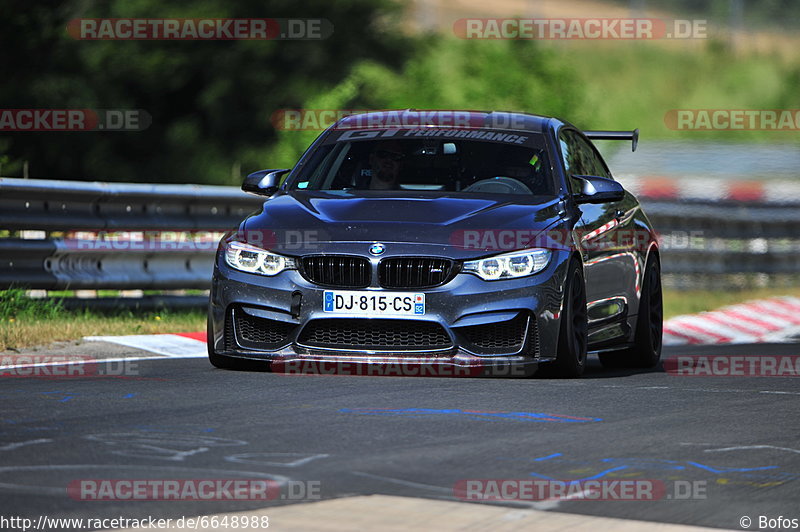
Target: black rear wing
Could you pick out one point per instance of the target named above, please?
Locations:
(632, 136)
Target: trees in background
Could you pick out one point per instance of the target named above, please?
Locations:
(210, 101)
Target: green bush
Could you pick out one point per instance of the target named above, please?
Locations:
(450, 73)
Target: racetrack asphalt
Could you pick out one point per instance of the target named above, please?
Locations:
(722, 447)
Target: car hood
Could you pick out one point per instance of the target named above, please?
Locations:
(460, 225)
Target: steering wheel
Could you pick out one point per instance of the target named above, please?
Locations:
(499, 185)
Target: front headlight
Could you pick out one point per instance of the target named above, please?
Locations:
(252, 259)
(509, 265)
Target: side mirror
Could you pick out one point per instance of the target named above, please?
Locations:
(598, 189)
(264, 182)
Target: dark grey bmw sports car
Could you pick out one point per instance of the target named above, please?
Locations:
(494, 242)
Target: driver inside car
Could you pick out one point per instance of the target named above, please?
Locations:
(529, 174)
(386, 163)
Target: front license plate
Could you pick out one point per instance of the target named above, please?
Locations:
(374, 303)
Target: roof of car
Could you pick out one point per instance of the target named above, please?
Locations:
(446, 118)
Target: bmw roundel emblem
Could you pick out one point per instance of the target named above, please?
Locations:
(377, 249)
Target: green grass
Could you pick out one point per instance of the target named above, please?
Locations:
(15, 305)
(29, 322)
(694, 301)
(26, 322)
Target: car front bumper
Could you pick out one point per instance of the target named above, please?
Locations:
(268, 319)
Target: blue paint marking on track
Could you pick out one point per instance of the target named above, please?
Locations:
(67, 395)
(601, 474)
(731, 469)
(647, 463)
(760, 473)
(543, 458)
(534, 417)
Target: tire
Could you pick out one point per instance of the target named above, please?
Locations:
(220, 361)
(570, 359)
(646, 349)
(223, 362)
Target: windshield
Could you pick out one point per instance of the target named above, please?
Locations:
(495, 163)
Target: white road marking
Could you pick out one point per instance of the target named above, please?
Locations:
(745, 447)
(677, 389)
(160, 469)
(174, 447)
(273, 459)
(17, 445)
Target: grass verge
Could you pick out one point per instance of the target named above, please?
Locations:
(25, 322)
(694, 301)
(28, 322)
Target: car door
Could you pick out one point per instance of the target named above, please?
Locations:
(606, 257)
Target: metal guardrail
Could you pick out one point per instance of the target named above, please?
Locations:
(53, 264)
(725, 238)
(719, 236)
(51, 205)
(728, 220)
(67, 206)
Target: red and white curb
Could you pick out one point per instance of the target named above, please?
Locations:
(711, 189)
(775, 320)
(181, 345)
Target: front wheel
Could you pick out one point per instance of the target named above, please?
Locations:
(646, 349)
(573, 332)
(217, 360)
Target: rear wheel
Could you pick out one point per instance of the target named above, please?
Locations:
(646, 349)
(573, 333)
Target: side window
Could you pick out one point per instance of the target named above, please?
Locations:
(575, 159)
(594, 165)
